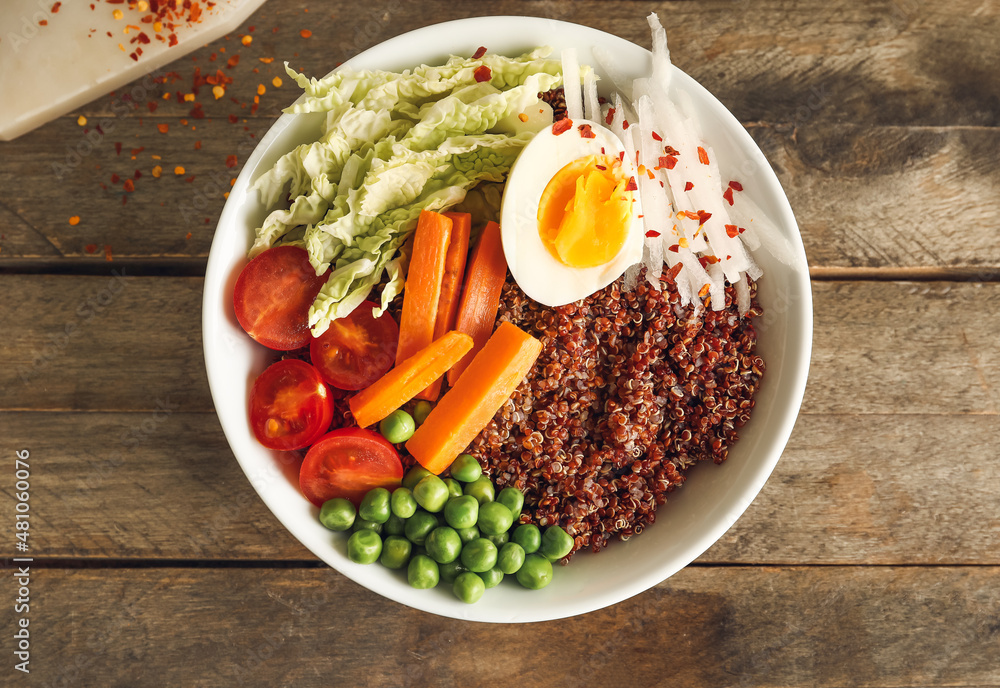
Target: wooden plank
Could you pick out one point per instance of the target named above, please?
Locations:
(849, 489)
(825, 627)
(861, 191)
(878, 346)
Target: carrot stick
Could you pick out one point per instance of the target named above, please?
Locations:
(451, 287)
(477, 311)
(423, 284)
(402, 383)
(471, 403)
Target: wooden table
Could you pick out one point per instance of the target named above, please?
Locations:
(872, 556)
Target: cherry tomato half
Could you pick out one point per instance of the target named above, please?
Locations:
(357, 350)
(273, 295)
(290, 405)
(347, 463)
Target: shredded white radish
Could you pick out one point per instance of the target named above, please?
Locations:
(571, 84)
(607, 63)
(662, 68)
(591, 105)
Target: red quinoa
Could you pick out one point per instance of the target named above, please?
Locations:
(629, 392)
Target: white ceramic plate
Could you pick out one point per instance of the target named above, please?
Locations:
(695, 516)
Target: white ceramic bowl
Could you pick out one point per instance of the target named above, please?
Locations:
(694, 517)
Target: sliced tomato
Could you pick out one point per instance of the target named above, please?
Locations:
(273, 295)
(347, 463)
(290, 405)
(357, 350)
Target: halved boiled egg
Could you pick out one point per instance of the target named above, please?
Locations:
(571, 221)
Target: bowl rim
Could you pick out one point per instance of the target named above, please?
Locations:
(796, 364)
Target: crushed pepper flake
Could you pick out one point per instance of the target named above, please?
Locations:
(129, 185)
(266, 60)
(231, 161)
(163, 127)
(107, 250)
(90, 248)
(75, 220)
(305, 33)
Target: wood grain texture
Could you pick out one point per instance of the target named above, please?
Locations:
(911, 182)
(849, 489)
(829, 627)
(133, 342)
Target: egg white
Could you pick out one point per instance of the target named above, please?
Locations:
(537, 272)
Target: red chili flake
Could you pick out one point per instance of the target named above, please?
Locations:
(601, 167)
(129, 185)
(657, 137)
(703, 292)
(305, 33)
(143, 38)
(703, 217)
(233, 118)
(562, 126)
(732, 231)
(107, 248)
(587, 132)
(232, 61)
(196, 112)
(115, 178)
(479, 53)
(231, 161)
(652, 233)
(611, 116)
(670, 150)
(675, 248)
(707, 260)
(689, 215)
(668, 161)
(152, 105)
(190, 179)
(137, 174)
(735, 186)
(652, 177)
(631, 186)
(173, 40)
(197, 145)
(728, 195)
(44, 22)
(483, 73)
(702, 155)
(90, 248)
(136, 151)
(55, 7)
(688, 186)
(625, 124)
(163, 127)
(134, 56)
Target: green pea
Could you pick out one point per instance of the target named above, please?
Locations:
(375, 505)
(500, 539)
(419, 526)
(535, 573)
(492, 577)
(510, 557)
(556, 543)
(494, 518)
(421, 411)
(468, 587)
(394, 526)
(443, 545)
(337, 514)
(468, 534)
(402, 502)
(450, 571)
(454, 487)
(414, 476)
(482, 489)
(513, 499)
(529, 537)
(397, 427)
(362, 524)
(461, 512)
(479, 555)
(422, 573)
(431, 493)
(466, 468)
(364, 546)
(395, 552)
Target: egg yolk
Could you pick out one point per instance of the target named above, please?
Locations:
(585, 212)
